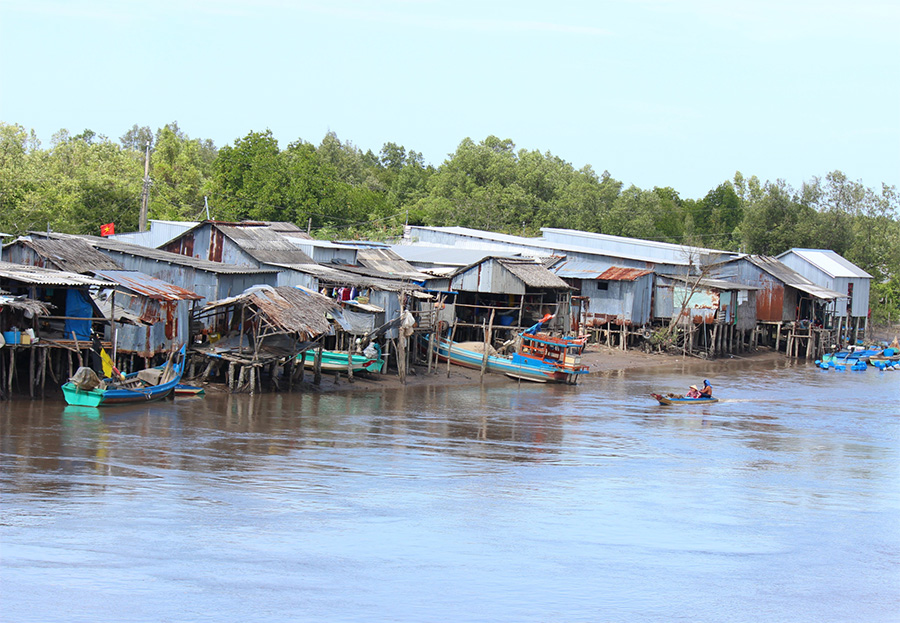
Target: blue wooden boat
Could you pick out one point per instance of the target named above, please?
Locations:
(674, 399)
(541, 359)
(141, 386)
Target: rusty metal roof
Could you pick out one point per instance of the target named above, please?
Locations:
(289, 309)
(616, 273)
(148, 286)
(74, 256)
(36, 275)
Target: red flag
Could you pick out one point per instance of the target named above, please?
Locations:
(108, 230)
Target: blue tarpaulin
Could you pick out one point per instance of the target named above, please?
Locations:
(78, 306)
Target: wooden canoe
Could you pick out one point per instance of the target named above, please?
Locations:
(674, 399)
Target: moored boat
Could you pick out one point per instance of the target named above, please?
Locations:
(87, 390)
(184, 389)
(542, 360)
(336, 361)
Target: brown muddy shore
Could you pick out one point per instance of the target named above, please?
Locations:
(600, 359)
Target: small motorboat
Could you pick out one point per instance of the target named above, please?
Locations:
(85, 389)
(676, 399)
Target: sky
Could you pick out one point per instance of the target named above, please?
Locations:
(677, 93)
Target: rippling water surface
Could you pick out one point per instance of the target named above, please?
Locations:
(512, 503)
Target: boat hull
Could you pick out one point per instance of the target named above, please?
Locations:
(111, 395)
(100, 397)
(515, 366)
(336, 361)
(667, 400)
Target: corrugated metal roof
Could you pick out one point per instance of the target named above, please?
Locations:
(829, 262)
(336, 276)
(74, 256)
(35, 275)
(387, 261)
(264, 244)
(443, 255)
(532, 274)
(616, 273)
(292, 310)
(791, 277)
(148, 286)
(648, 247)
(485, 239)
(716, 284)
(161, 256)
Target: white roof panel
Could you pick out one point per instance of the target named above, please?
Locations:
(830, 263)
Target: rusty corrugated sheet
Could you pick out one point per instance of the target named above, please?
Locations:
(216, 241)
(616, 273)
(770, 302)
(148, 286)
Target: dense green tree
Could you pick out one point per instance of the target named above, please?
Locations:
(718, 215)
(180, 169)
(250, 180)
(777, 221)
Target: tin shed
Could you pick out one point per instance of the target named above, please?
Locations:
(616, 295)
(829, 270)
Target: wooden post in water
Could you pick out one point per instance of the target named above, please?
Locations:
(449, 345)
(487, 344)
(317, 366)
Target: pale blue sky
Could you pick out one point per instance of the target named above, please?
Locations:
(659, 93)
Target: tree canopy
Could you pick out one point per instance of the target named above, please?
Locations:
(339, 191)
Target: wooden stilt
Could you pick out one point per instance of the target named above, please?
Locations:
(317, 366)
(452, 336)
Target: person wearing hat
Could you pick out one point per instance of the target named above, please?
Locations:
(706, 392)
(694, 393)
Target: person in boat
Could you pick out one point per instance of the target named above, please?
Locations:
(706, 392)
(693, 393)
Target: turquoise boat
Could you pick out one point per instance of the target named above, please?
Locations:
(142, 386)
(336, 361)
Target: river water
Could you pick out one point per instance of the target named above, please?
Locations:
(512, 503)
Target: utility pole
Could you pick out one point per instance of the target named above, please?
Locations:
(145, 193)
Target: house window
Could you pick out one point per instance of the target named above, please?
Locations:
(603, 285)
